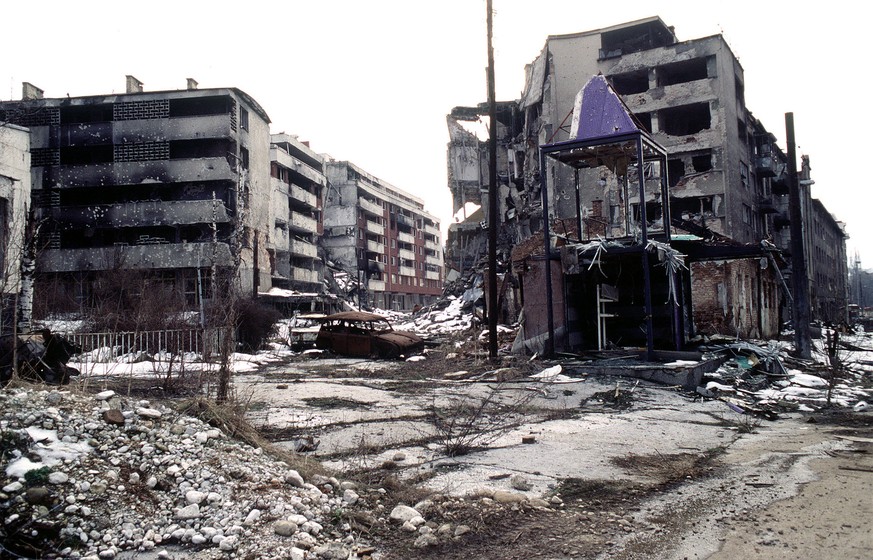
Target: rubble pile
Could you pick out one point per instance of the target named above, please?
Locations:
(92, 476)
(446, 317)
(760, 379)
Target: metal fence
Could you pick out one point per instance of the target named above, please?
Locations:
(205, 343)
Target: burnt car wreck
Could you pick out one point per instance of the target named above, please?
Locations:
(365, 335)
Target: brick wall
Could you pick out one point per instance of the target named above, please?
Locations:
(735, 298)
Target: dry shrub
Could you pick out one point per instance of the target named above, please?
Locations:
(230, 419)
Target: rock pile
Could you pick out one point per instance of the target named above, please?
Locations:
(93, 476)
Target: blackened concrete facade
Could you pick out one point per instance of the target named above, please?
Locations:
(169, 182)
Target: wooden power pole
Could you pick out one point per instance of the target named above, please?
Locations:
(799, 279)
(492, 196)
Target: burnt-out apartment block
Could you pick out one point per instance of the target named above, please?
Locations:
(298, 183)
(726, 175)
(173, 183)
(383, 237)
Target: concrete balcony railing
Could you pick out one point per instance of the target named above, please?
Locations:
(432, 275)
(302, 195)
(405, 237)
(172, 128)
(300, 248)
(147, 257)
(371, 207)
(702, 90)
(141, 172)
(405, 220)
(407, 271)
(373, 227)
(376, 247)
(376, 285)
(285, 159)
(433, 230)
(301, 222)
(434, 260)
(145, 213)
(433, 245)
(407, 255)
(304, 275)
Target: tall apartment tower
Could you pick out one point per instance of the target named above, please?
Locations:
(298, 183)
(383, 237)
(172, 183)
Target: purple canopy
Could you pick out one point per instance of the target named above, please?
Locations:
(598, 112)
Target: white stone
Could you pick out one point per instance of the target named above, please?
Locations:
(191, 511)
(293, 478)
(13, 487)
(228, 543)
(403, 513)
(350, 496)
(149, 412)
(104, 395)
(58, 478)
(194, 497)
(253, 516)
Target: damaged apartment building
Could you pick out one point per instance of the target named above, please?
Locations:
(175, 184)
(727, 179)
(186, 184)
(382, 238)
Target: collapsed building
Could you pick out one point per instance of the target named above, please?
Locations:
(726, 177)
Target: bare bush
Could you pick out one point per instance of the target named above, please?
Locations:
(470, 422)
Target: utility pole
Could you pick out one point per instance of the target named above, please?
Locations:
(492, 196)
(799, 280)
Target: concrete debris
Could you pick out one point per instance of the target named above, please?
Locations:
(74, 485)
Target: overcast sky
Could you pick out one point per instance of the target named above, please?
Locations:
(371, 81)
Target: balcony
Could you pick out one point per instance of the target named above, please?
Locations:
(433, 230)
(171, 128)
(302, 195)
(434, 260)
(404, 220)
(433, 245)
(371, 207)
(375, 247)
(373, 227)
(285, 159)
(407, 271)
(405, 237)
(300, 248)
(147, 213)
(432, 275)
(767, 206)
(375, 285)
(407, 255)
(141, 172)
(149, 257)
(766, 166)
(304, 275)
(301, 222)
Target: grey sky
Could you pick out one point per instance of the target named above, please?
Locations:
(371, 81)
